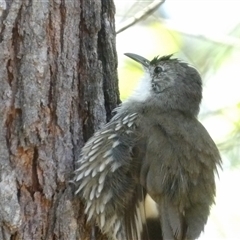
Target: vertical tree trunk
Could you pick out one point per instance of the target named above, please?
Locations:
(58, 84)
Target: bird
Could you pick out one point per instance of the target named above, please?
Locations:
(149, 173)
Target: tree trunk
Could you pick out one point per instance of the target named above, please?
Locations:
(58, 84)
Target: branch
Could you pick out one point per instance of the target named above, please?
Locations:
(152, 7)
(217, 38)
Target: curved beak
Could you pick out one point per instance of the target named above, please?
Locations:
(138, 59)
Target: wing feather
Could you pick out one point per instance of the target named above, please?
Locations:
(107, 178)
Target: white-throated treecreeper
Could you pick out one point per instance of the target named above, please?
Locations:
(154, 149)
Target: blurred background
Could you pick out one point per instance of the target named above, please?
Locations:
(207, 35)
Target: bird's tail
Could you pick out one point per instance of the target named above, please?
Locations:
(172, 221)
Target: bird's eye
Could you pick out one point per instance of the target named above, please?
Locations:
(158, 69)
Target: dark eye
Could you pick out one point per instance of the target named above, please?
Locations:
(158, 69)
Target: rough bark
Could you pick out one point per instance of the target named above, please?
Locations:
(58, 84)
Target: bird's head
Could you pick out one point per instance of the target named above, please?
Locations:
(169, 83)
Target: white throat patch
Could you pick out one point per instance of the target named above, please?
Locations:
(143, 90)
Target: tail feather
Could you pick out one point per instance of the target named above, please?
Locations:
(135, 218)
(152, 230)
(172, 221)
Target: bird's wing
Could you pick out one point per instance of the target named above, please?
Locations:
(107, 179)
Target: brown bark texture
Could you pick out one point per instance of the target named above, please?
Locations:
(58, 84)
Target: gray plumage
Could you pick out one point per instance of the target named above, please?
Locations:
(154, 146)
